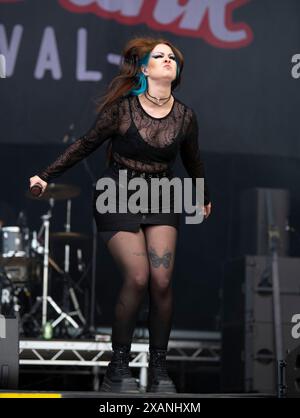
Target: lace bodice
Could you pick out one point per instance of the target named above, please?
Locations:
(139, 141)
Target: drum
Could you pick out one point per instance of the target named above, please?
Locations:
(21, 270)
(20, 263)
(14, 241)
(16, 298)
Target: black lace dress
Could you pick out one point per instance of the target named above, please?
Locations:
(143, 145)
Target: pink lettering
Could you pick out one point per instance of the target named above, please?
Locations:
(211, 20)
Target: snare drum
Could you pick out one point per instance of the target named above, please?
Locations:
(14, 241)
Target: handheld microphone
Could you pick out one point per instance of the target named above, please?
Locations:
(36, 190)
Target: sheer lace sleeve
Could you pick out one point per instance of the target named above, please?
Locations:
(103, 128)
(190, 154)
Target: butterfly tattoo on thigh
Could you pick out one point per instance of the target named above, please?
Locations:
(156, 260)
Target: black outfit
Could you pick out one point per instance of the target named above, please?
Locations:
(147, 147)
(144, 146)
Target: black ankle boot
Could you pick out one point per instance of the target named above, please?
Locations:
(118, 377)
(158, 378)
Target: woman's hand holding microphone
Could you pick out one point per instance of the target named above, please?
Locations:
(37, 186)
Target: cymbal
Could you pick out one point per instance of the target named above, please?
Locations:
(57, 192)
(68, 236)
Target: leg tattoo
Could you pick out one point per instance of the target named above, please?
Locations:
(156, 261)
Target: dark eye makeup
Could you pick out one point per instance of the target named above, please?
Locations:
(160, 56)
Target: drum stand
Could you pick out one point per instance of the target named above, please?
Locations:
(45, 299)
(68, 282)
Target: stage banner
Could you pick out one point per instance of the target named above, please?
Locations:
(241, 74)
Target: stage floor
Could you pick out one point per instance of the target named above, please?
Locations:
(105, 395)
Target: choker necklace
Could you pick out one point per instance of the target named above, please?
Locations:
(158, 100)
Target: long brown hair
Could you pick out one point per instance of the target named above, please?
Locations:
(126, 80)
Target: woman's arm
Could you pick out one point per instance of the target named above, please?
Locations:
(103, 128)
(190, 154)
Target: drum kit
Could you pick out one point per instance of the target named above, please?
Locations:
(25, 267)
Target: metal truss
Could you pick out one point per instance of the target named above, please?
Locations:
(97, 354)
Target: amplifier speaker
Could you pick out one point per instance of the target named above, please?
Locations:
(248, 339)
(9, 353)
(293, 373)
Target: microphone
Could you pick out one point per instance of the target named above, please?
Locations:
(68, 135)
(36, 190)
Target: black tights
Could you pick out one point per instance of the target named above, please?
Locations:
(146, 260)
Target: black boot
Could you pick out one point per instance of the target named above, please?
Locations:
(118, 377)
(158, 378)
